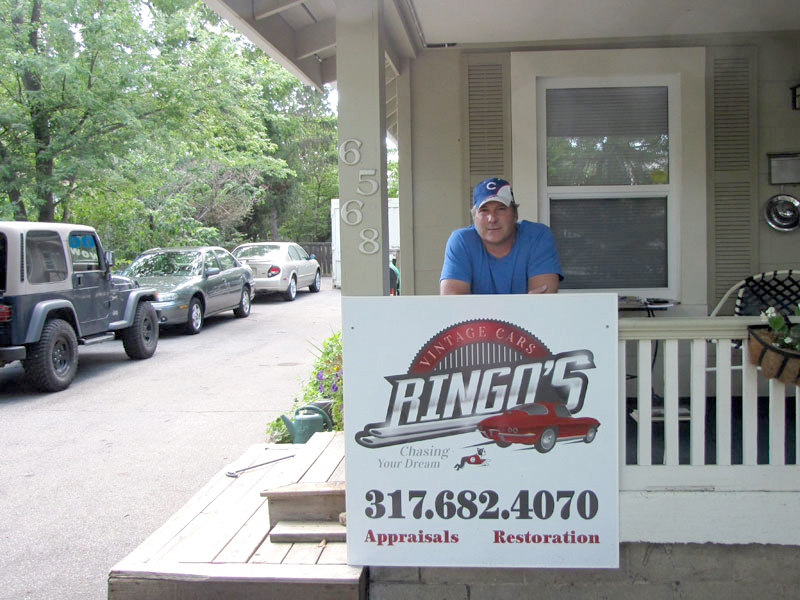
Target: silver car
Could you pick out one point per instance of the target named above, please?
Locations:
(280, 267)
(194, 283)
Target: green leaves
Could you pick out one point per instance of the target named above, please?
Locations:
(155, 121)
(787, 335)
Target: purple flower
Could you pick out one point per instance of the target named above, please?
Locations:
(319, 375)
(334, 387)
(321, 387)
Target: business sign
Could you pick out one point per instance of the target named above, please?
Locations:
(482, 430)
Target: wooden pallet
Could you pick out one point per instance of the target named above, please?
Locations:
(218, 544)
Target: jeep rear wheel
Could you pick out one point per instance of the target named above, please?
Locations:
(53, 361)
(141, 338)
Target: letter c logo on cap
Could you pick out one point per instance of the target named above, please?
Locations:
(492, 185)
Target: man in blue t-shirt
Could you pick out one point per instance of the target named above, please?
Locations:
(497, 254)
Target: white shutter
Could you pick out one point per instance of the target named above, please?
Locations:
(734, 169)
(486, 120)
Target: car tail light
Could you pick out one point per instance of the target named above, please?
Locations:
(273, 271)
(5, 313)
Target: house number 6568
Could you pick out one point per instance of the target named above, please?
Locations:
(368, 185)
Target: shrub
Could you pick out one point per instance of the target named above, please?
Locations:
(325, 383)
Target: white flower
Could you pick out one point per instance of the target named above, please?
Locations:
(771, 311)
(788, 340)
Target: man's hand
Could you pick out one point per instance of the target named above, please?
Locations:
(539, 290)
(448, 287)
(546, 283)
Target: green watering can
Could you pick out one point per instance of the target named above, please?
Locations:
(308, 420)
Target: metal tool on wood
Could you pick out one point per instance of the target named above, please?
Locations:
(274, 460)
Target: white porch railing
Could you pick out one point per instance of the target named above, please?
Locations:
(708, 447)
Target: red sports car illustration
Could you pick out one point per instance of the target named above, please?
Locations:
(538, 423)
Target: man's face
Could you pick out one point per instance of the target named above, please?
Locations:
(496, 224)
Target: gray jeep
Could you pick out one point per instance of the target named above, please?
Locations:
(57, 291)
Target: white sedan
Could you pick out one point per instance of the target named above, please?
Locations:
(280, 267)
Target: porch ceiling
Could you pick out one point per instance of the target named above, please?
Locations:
(301, 34)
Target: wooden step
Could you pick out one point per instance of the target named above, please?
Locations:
(307, 531)
(305, 502)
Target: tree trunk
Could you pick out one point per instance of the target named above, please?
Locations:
(40, 120)
(14, 194)
(20, 214)
(273, 224)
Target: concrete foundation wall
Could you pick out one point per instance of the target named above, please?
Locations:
(652, 571)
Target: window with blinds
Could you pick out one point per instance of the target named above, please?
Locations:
(607, 172)
(617, 243)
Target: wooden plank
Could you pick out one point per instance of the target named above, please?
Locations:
(735, 478)
(622, 399)
(247, 539)
(697, 408)
(211, 538)
(644, 430)
(796, 424)
(213, 528)
(306, 501)
(709, 517)
(215, 531)
(749, 412)
(307, 489)
(671, 431)
(306, 508)
(273, 573)
(303, 554)
(241, 590)
(724, 399)
(270, 552)
(326, 464)
(308, 531)
(334, 553)
(293, 470)
(339, 473)
(777, 422)
(179, 520)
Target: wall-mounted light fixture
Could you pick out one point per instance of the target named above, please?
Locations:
(796, 97)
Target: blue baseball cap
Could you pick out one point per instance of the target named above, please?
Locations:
(492, 189)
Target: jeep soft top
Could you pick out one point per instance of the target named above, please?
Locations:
(56, 292)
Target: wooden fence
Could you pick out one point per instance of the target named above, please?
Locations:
(323, 252)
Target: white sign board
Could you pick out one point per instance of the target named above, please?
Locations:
(482, 430)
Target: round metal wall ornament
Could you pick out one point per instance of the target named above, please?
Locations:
(782, 212)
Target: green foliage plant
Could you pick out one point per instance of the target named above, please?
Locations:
(326, 382)
(787, 336)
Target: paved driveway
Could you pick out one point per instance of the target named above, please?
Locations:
(90, 472)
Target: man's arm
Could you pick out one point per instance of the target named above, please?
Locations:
(454, 286)
(546, 283)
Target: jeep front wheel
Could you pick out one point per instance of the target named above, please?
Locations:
(53, 361)
(141, 338)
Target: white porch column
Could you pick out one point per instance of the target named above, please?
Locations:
(362, 147)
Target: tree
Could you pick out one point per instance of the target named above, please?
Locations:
(157, 123)
(77, 85)
(303, 127)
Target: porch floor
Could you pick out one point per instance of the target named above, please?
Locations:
(218, 544)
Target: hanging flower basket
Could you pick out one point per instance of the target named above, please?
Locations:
(775, 363)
